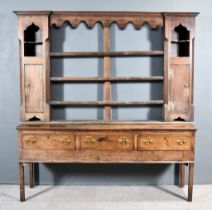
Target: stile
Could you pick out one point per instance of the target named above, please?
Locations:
(107, 85)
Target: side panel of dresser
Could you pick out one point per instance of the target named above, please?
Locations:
(178, 66)
(33, 33)
(110, 146)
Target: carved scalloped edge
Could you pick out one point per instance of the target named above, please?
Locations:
(122, 23)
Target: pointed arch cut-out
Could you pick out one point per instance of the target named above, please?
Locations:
(34, 118)
(180, 41)
(32, 41)
(31, 33)
(182, 32)
(179, 119)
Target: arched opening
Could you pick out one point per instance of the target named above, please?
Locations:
(32, 41)
(180, 41)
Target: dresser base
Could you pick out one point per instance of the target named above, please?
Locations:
(121, 143)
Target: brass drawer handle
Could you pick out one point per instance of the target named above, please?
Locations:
(181, 142)
(166, 141)
(89, 140)
(124, 140)
(30, 140)
(148, 142)
(65, 141)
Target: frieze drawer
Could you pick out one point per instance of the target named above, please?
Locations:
(49, 142)
(106, 142)
(165, 141)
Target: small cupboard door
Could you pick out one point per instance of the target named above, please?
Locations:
(34, 90)
(180, 85)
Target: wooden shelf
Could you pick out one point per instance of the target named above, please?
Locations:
(103, 79)
(30, 42)
(110, 54)
(180, 41)
(105, 103)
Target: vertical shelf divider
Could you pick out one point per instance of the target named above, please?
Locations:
(107, 84)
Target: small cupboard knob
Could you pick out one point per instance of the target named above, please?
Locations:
(27, 88)
(186, 85)
(166, 139)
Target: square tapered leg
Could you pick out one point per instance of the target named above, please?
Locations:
(21, 182)
(182, 175)
(190, 181)
(31, 175)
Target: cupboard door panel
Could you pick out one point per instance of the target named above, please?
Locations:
(181, 88)
(33, 85)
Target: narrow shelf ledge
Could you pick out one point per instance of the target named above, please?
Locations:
(105, 103)
(109, 54)
(180, 41)
(103, 79)
(31, 42)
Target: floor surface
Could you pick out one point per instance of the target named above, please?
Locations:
(105, 197)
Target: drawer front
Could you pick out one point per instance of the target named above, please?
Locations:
(124, 142)
(51, 141)
(165, 141)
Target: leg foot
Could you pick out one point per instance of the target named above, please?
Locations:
(21, 182)
(182, 175)
(190, 181)
(31, 175)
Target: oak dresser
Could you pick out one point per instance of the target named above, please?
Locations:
(43, 140)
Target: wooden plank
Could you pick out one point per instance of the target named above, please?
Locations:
(153, 19)
(33, 43)
(103, 54)
(33, 60)
(180, 14)
(107, 85)
(105, 103)
(115, 126)
(29, 13)
(103, 79)
(89, 156)
(34, 88)
(180, 41)
(180, 60)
